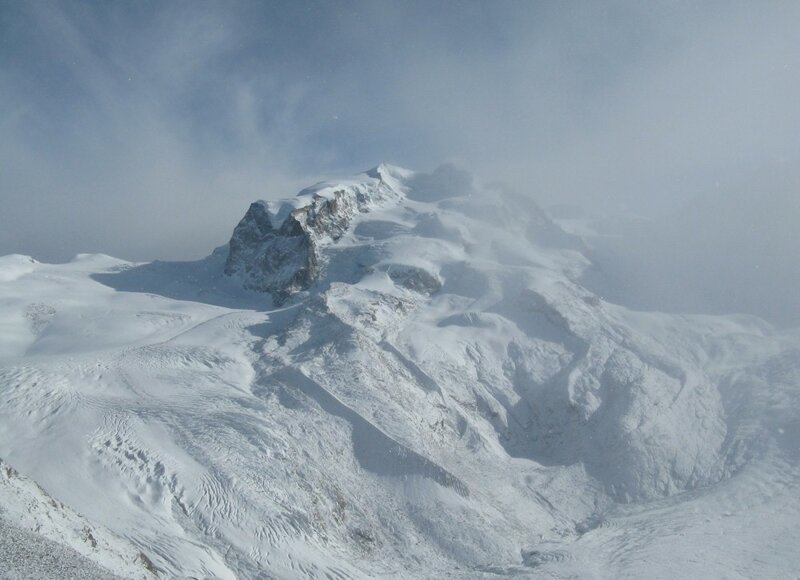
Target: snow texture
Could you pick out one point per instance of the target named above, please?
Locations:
(396, 375)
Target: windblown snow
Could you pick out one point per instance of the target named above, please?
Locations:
(394, 375)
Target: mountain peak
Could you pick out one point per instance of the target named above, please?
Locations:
(276, 247)
(390, 174)
(405, 224)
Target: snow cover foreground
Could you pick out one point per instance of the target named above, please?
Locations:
(393, 376)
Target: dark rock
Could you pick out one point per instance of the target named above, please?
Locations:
(276, 261)
(415, 279)
(285, 260)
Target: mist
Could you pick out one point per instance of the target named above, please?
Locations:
(728, 251)
(144, 130)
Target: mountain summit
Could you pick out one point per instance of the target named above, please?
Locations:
(282, 248)
(277, 247)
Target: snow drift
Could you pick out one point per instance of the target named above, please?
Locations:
(397, 374)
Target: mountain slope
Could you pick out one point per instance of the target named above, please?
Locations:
(42, 538)
(394, 375)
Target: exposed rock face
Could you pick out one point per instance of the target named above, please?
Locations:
(415, 279)
(278, 261)
(285, 258)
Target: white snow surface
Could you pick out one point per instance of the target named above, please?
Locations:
(446, 400)
(42, 538)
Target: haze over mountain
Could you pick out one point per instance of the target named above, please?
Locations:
(140, 129)
(731, 251)
(397, 374)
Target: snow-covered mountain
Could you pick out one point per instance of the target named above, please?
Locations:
(398, 375)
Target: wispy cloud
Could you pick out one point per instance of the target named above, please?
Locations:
(143, 129)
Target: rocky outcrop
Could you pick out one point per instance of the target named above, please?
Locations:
(285, 258)
(279, 261)
(415, 279)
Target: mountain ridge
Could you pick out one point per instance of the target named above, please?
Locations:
(440, 395)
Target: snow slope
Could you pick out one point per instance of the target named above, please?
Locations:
(42, 538)
(420, 388)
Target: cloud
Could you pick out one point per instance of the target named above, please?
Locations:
(108, 149)
(143, 130)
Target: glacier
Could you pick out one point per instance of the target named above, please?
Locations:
(393, 375)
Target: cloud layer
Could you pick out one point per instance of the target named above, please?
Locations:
(143, 129)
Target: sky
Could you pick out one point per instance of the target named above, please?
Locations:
(144, 129)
